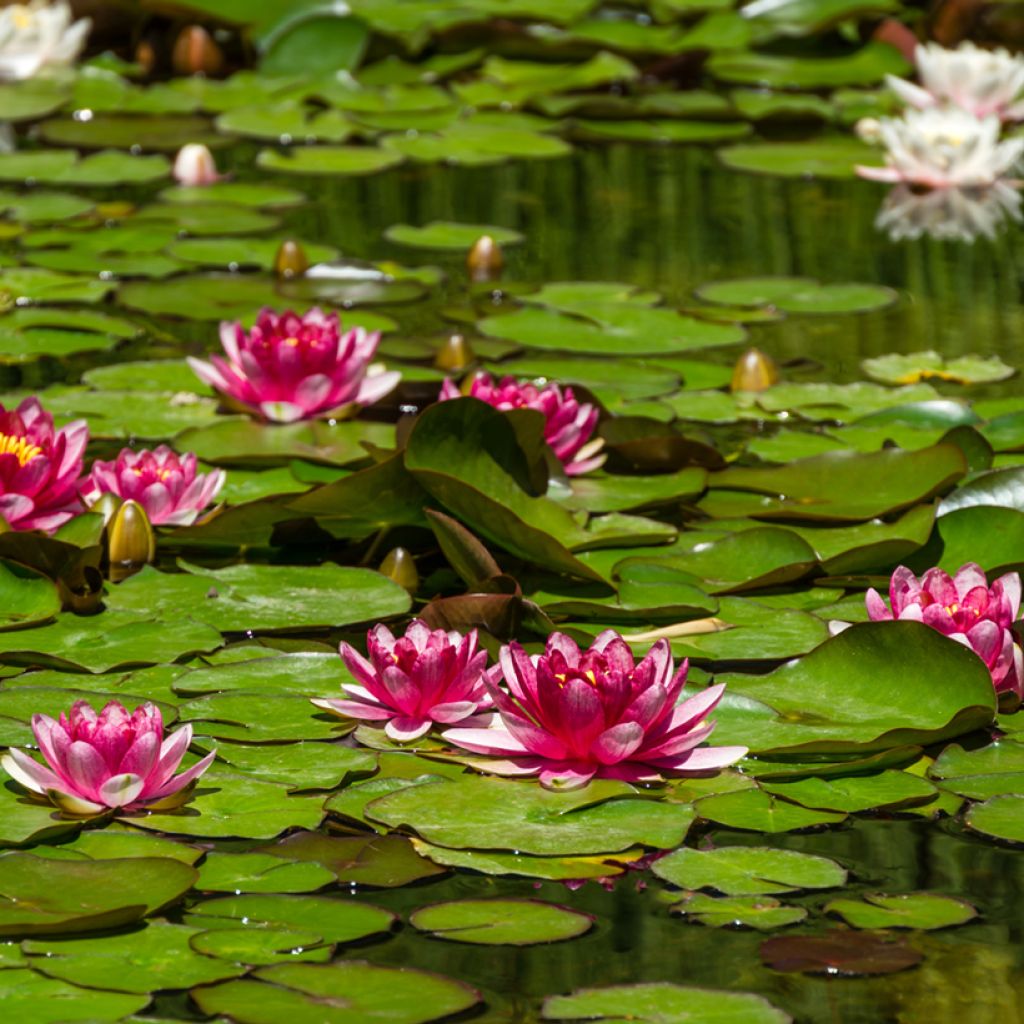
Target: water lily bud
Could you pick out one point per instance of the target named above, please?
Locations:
(754, 371)
(194, 166)
(485, 260)
(131, 542)
(195, 52)
(455, 354)
(291, 259)
(399, 566)
(106, 505)
(869, 129)
(145, 57)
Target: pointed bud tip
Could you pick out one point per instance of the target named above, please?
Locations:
(754, 371)
(398, 565)
(455, 354)
(485, 260)
(291, 259)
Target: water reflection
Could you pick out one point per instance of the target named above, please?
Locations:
(949, 214)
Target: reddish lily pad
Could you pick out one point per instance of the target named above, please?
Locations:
(838, 953)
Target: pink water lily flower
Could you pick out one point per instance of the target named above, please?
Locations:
(426, 677)
(291, 367)
(166, 486)
(39, 467)
(570, 715)
(569, 424)
(966, 609)
(114, 759)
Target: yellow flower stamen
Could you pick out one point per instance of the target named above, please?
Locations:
(20, 447)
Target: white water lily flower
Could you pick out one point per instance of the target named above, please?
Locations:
(982, 82)
(38, 35)
(948, 214)
(942, 147)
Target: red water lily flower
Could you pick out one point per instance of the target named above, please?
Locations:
(570, 715)
(114, 759)
(291, 367)
(39, 467)
(424, 678)
(569, 424)
(166, 486)
(966, 609)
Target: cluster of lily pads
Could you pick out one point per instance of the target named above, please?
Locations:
(541, 501)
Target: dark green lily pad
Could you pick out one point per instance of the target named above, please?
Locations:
(500, 922)
(1002, 817)
(259, 872)
(259, 946)
(32, 999)
(817, 158)
(166, 133)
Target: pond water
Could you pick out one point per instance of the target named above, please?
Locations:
(860, 864)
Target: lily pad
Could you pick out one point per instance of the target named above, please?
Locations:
(340, 160)
(915, 366)
(838, 953)
(500, 922)
(663, 1003)
(47, 897)
(761, 912)
(157, 956)
(748, 870)
(446, 235)
(350, 990)
(922, 910)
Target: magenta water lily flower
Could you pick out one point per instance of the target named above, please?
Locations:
(166, 486)
(426, 677)
(114, 759)
(966, 609)
(291, 367)
(570, 715)
(39, 467)
(569, 424)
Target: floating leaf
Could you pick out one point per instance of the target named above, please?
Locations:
(448, 235)
(662, 1003)
(748, 870)
(761, 912)
(501, 922)
(912, 367)
(908, 910)
(838, 952)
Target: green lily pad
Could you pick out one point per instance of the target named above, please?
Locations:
(763, 913)
(909, 910)
(817, 158)
(865, 66)
(857, 712)
(37, 284)
(240, 193)
(496, 862)
(259, 946)
(761, 812)
(157, 956)
(338, 993)
(237, 806)
(890, 790)
(446, 235)
(33, 999)
(1002, 817)
(336, 920)
(341, 160)
(254, 598)
(259, 872)
(749, 870)
(611, 329)
(500, 922)
(48, 897)
(915, 366)
(103, 643)
(496, 814)
(384, 861)
(167, 133)
(231, 253)
(662, 1003)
